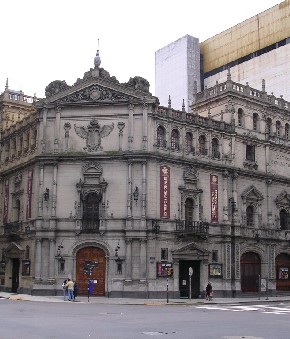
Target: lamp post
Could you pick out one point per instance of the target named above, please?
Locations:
(233, 249)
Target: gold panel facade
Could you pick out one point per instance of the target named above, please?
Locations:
(258, 32)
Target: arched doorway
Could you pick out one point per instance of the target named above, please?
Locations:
(84, 257)
(250, 271)
(283, 272)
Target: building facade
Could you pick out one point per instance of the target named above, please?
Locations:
(114, 188)
(255, 49)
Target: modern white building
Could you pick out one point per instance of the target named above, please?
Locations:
(177, 66)
(255, 49)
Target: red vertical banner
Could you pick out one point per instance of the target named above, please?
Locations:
(6, 201)
(29, 194)
(214, 197)
(164, 192)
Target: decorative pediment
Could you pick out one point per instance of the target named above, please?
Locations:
(190, 175)
(14, 250)
(190, 251)
(283, 199)
(252, 194)
(92, 183)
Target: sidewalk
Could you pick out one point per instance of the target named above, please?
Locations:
(148, 302)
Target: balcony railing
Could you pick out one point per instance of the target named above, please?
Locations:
(199, 228)
(12, 228)
(90, 227)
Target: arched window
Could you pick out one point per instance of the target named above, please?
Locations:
(161, 137)
(202, 144)
(268, 125)
(215, 148)
(20, 145)
(255, 121)
(284, 220)
(33, 139)
(250, 216)
(287, 131)
(175, 139)
(17, 209)
(91, 217)
(188, 140)
(27, 252)
(240, 117)
(188, 212)
(278, 128)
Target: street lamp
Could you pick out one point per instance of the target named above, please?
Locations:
(233, 249)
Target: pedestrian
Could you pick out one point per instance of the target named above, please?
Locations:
(208, 291)
(70, 288)
(76, 290)
(65, 291)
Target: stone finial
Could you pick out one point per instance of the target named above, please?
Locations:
(97, 60)
(263, 85)
(6, 85)
(169, 102)
(229, 77)
(183, 106)
(208, 112)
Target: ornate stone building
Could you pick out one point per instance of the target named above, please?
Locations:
(117, 189)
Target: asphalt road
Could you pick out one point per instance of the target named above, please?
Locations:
(30, 320)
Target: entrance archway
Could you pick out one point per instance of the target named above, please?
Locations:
(250, 271)
(282, 263)
(84, 257)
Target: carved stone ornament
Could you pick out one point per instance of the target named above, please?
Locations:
(93, 134)
(190, 175)
(55, 87)
(283, 200)
(95, 93)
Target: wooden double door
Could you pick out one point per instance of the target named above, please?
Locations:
(86, 257)
(250, 272)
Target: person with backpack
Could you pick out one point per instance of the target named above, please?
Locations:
(65, 290)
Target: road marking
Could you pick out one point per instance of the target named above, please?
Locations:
(267, 309)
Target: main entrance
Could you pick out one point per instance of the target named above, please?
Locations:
(250, 271)
(15, 275)
(85, 257)
(184, 280)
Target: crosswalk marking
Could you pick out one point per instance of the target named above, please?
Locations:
(267, 309)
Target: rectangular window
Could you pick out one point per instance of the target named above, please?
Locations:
(250, 152)
(214, 256)
(164, 253)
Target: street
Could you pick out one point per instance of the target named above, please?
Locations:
(30, 320)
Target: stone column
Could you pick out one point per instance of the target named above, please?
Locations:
(38, 259)
(143, 259)
(121, 126)
(40, 191)
(56, 130)
(144, 188)
(225, 197)
(66, 127)
(54, 187)
(269, 202)
(51, 269)
(43, 131)
(131, 127)
(145, 126)
(128, 273)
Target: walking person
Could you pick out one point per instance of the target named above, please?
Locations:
(208, 291)
(65, 290)
(76, 290)
(70, 288)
